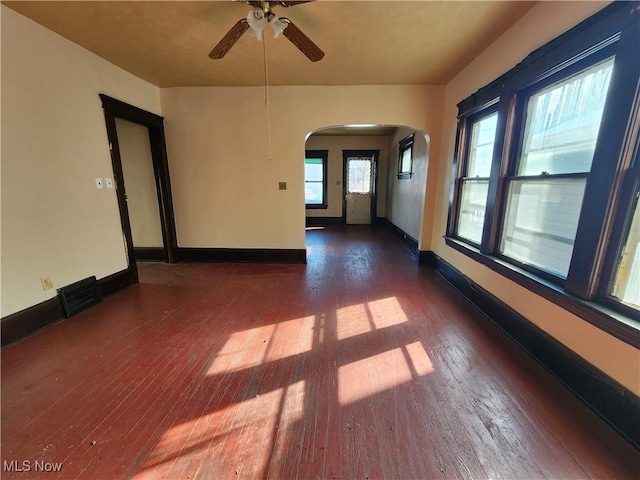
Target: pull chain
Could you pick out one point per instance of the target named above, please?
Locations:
(266, 93)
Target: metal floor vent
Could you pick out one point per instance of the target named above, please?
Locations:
(79, 296)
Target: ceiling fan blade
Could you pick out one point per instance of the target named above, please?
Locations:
(301, 41)
(293, 3)
(229, 40)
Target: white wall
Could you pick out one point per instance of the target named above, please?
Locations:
(54, 221)
(335, 145)
(406, 197)
(225, 185)
(542, 23)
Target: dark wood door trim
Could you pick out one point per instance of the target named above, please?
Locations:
(155, 124)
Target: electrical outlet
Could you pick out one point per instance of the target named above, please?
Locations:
(282, 185)
(47, 284)
(99, 183)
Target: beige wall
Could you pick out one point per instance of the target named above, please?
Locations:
(54, 221)
(335, 145)
(225, 184)
(406, 197)
(542, 23)
(140, 184)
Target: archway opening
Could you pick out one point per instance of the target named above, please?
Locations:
(339, 161)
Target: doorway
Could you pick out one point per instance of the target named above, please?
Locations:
(141, 176)
(360, 179)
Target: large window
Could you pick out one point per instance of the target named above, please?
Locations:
(546, 172)
(315, 179)
(474, 177)
(544, 197)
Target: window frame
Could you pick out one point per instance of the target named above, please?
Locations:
(514, 155)
(610, 183)
(406, 144)
(629, 193)
(461, 166)
(324, 155)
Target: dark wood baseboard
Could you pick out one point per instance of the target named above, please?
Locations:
(323, 221)
(21, 324)
(118, 281)
(614, 403)
(411, 242)
(427, 257)
(242, 255)
(149, 254)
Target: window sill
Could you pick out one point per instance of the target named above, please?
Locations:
(620, 326)
(316, 207)
(404, 176)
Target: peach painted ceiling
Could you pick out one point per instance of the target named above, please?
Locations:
(365, 42)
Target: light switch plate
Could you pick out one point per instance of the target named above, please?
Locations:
(99, 183)
(108, 182)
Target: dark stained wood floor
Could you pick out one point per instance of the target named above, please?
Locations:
(359, 365)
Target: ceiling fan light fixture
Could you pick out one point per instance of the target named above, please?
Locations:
(257, 22)
(277, 25)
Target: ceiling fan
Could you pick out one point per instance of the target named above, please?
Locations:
(260, 15)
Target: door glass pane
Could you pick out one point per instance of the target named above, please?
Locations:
(626, 286)
(472, 207)
(483, 135)
(359, 175)
(563, 121)
(541, 222)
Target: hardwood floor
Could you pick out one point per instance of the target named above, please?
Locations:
(359, 365)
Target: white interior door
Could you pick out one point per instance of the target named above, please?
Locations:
(359, 189)
(140, 181)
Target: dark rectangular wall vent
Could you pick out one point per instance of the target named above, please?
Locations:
(79, 296)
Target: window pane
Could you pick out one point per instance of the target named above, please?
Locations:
(405, 161)
(313, 172)
(541, 222)
(313, 193)
(563, 121)
(359, 175)
(627, 281)
(472, 206)
(483, 136)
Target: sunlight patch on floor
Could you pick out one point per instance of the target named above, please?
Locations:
(366, 317)
(254, 347)
(370, 376)
(239, 427)
(386, 312)
(352, 320)
(419, 358)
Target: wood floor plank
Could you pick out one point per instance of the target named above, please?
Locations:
(359, 364)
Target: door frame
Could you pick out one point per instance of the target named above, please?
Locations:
(375, 155)
(155, 124)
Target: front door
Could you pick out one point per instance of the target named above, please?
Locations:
(359, 173)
